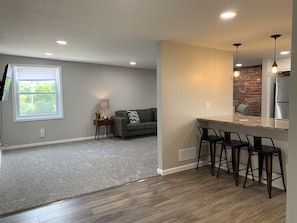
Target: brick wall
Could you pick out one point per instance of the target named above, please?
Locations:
(247, 89)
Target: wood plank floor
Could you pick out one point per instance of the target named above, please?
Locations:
(189, 196)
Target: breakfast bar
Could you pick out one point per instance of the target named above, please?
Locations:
(277, 129)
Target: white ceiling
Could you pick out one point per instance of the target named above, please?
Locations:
(114, 32)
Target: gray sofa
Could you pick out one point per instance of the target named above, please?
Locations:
(147, 125)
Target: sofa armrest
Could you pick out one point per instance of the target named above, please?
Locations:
(119, 125)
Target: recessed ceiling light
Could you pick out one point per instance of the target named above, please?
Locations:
(285, 52)
(238, 65)
(48, 54)
(133, 63)
(61, 42)
(228, 15)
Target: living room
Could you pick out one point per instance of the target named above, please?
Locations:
(187, 79)
(83, 86)
(126, 88)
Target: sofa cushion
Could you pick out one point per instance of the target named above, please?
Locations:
(133, 117)
(243, 109)
(136, 126)
(150, 125)
(145, 115)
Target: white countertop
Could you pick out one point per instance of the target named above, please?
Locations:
(252, 121)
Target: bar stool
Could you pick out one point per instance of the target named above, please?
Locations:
(209, 135)
(233, 141)
(268, 152)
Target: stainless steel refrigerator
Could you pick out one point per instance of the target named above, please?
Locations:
(281, 106)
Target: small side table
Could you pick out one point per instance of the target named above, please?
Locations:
(103, 122)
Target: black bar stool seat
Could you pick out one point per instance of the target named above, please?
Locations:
(233, 141)
(209, 135)
(265, 152)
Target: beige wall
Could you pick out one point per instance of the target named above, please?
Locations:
(188, 77)
(83, 86)
(292, 154)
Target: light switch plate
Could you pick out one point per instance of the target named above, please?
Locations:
(207, 104)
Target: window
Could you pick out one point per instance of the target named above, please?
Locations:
(37, 93)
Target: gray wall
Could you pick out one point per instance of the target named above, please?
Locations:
(83, 86)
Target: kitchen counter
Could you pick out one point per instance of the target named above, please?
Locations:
(252, 121)
(277, 129)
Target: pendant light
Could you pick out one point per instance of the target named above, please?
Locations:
(274, 69)
(236, 72)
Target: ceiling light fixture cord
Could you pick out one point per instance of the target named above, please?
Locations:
(236, 55)
(275, 49)
(236, 58)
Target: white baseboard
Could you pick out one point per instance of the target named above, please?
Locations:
(179, 168)
(48, 143)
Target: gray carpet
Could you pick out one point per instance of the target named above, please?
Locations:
(41, 175)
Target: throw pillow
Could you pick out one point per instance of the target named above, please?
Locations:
(133, 117)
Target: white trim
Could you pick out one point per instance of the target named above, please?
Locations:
(59, 94)
(179, 168)
(49, 143)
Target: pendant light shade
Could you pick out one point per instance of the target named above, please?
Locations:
(236, 71)
(274, 68)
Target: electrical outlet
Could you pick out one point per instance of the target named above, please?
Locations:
(42, 133)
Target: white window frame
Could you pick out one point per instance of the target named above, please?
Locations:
(59, 95)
